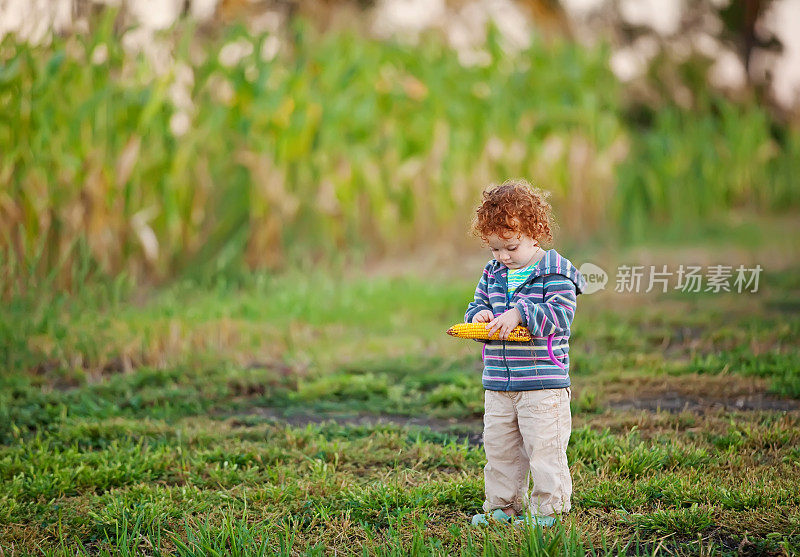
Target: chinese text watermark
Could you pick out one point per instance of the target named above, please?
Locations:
(686, 278)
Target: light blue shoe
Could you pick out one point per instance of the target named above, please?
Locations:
(543, 521)
(496, 515)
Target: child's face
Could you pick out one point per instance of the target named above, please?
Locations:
(515, 252)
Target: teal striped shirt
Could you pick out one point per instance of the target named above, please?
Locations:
(517, 277)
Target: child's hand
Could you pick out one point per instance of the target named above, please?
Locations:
(483, 316)
(505, 323)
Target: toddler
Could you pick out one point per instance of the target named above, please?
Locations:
(527, 421)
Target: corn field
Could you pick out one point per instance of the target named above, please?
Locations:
(249, 152)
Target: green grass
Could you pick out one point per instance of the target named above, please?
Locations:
(278, 414)
(200, 479)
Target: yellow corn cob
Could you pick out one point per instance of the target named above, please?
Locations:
(479, 331)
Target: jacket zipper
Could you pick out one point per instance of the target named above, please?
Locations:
(508, 303)
(508, 381)
(505, 361)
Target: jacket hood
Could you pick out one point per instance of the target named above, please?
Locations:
(552, 263)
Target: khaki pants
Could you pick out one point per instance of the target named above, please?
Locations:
(525, 436)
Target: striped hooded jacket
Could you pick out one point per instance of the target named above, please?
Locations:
(547, 301)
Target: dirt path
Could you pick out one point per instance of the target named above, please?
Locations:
(470, 429)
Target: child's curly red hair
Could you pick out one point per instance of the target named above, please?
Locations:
(514, 207)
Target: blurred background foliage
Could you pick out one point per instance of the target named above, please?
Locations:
(310, 145)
